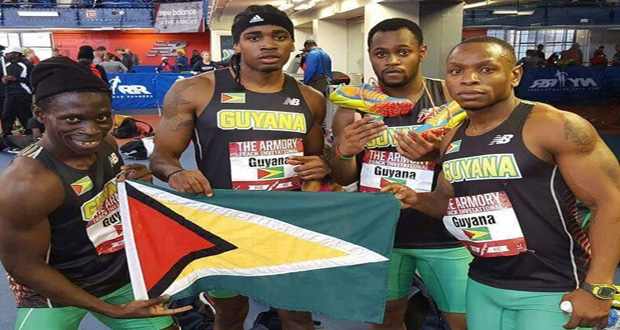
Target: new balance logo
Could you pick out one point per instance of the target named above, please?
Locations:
(256, 19)
(501, 139)
(291, 101)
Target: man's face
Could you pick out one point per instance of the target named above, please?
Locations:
(480, 75)
(265, 48)
(79, 122)
(395, 57)
(195, 53)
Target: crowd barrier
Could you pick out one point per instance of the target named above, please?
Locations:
(141, 90)
(571, 85)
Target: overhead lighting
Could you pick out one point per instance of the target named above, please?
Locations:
(297, 1)
(525, 12)
(286, 6)
(514, 12)
(37, 13)
(304, 6)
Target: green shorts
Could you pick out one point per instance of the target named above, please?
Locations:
(444, 272)
(69, 318)
(490, 308)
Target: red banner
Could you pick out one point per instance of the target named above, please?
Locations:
(149, 47)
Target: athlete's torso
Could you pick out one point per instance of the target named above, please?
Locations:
(86, 235)
(514, 211)
(382, 163)
(243, 139)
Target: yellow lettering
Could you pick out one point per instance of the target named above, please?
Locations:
(285, 120)
(226, 119)
(300, 124)
(476, 171)
(489, 166)
(507, 167)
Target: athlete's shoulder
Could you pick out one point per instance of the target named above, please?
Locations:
(197, 82)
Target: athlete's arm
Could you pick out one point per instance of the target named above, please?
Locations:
(592, 173)
(174, 134)
(351, 133)
(312, 166)
(25, 240)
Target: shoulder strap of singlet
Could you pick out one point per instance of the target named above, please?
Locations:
(224, 81)
(521, 113)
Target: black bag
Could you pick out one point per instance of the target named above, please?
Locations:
(139, 148)
(129, 128)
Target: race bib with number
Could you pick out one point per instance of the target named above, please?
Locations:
(263, 165)
(104, 220)
(380, 168)
(486, 224)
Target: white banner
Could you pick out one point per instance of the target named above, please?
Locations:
(179, 17)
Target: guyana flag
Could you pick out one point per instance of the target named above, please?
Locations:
(478, 234)
(320, 252)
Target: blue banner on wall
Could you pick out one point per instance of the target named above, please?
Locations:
(571, 85)
(141, 90)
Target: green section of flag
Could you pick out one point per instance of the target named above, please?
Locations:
(271, 172)
(233, 98)
(478, 234)
(453, 147)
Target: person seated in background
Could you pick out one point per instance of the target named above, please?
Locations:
(599, 58)
(205, 64)
(182, 62)
(164, 66)
(15, 143)
(111, 66)
(553, 60)
(531, 60)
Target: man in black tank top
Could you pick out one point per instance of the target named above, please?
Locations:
(396, 50)
(511, 177)
(253, 128)
(60, 235)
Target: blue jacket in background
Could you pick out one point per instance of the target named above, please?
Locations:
(317, 63)
(182, 63)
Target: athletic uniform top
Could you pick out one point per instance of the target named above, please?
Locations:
(415, 229)
(21, 70)
(86, 234)
(513, 211)
(242, 138)
(201, 67)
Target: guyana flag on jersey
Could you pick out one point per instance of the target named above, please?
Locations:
(319, 252)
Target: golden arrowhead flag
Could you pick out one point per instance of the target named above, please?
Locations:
(264, 245)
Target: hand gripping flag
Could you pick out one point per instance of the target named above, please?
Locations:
(319, 252)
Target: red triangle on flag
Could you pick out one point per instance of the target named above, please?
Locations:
(225, 97)
(151, 225)
(263, 173)
(77, 188)
(384, 182)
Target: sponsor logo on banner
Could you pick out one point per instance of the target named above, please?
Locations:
(179, 17)
(483, 167)
(232, 98)
(163, 48)
(264, 120)
(122, 91)
(104, 226)
(453, 147)
(82, 186)
(563, 82)
(92, 14)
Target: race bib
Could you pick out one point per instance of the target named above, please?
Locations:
(263, 165)
(380, 168)
(104, 220)
(486, 224)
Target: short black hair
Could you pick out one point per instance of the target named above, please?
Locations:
(395, 24)
(506, 47)
(310, 43)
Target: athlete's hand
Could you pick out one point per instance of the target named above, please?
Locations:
(588, 311)
(137, 172)
(310, 167)
(355, 136)
(190, 181)
(8, 78)
(413, 146)
(404, 194)
(146, 308)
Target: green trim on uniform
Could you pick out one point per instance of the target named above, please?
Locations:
(444, 272)
(69, 318)
(222, 294)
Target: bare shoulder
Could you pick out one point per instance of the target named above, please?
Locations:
(27, 179)
(190, 95)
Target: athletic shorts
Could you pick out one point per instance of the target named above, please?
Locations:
(444, 272)
(490, 308)
(69, 318)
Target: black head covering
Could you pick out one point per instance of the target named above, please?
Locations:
(61, 74)
(86, 52)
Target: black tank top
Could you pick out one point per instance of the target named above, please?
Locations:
(514, 211)
(415, 229)
(86, 234)
(243, 139)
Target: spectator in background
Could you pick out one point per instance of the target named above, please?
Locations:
(99, 52)
(599, 58)
(112, 66)
(539, 51)
(86, 55)
(572, 56)
(164, 66)
(56, 52)
(135, 60)
(615, 61)
(532, 60)
(182, 62)
(18, 92)
(318, 74)
(196, 57)
(205, 64)
(124, 57)
(553, 60)
(30, 56)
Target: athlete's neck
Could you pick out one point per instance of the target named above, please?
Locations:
(412, 90)
(484, 120)
(66, 156)
(261, 82)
